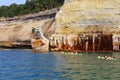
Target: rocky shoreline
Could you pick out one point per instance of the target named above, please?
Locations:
(15, 45)
(16, 32)
(93, 26)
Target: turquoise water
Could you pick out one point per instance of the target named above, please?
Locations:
(26, 65)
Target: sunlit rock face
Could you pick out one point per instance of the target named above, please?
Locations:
(88, 15)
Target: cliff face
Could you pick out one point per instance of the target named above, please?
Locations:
(18, 29)
(89, 15)
(74, 17)
(96, 23)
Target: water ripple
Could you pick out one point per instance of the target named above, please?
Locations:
(25, 65)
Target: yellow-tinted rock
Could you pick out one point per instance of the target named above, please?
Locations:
(77, 14)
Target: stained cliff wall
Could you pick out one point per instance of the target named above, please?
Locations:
(17, 30)
(92, 14)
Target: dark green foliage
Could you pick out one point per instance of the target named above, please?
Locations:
(31, 6)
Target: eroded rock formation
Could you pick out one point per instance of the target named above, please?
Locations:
(83, 42)
(38, 41)
(97, 20)
(17, 31)
(93, 14)
(80, 25)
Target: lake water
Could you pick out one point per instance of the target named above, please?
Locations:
(26, 65)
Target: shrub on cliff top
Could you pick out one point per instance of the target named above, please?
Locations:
(31, 6)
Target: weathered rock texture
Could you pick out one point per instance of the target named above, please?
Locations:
(17, 31)
(75, 26)
(95, 23)
(88, 15)
(38, 41)
(84, 42)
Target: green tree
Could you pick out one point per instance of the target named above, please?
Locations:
(31, 6)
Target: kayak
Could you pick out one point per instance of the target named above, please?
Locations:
(109, 58)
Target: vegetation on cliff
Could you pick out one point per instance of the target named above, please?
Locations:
(31, 6)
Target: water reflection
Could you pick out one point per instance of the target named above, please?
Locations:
(88, 67)
(26, 65)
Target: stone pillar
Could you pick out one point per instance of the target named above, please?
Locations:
(40, 43)
(93, 42)
(86, 46)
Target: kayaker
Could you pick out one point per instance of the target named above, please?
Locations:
(108, 57)
(105, 56)
(111, 57)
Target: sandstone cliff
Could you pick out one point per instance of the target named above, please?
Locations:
(95, 22)
(17, 31)
(89, 15)
(75, 17)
